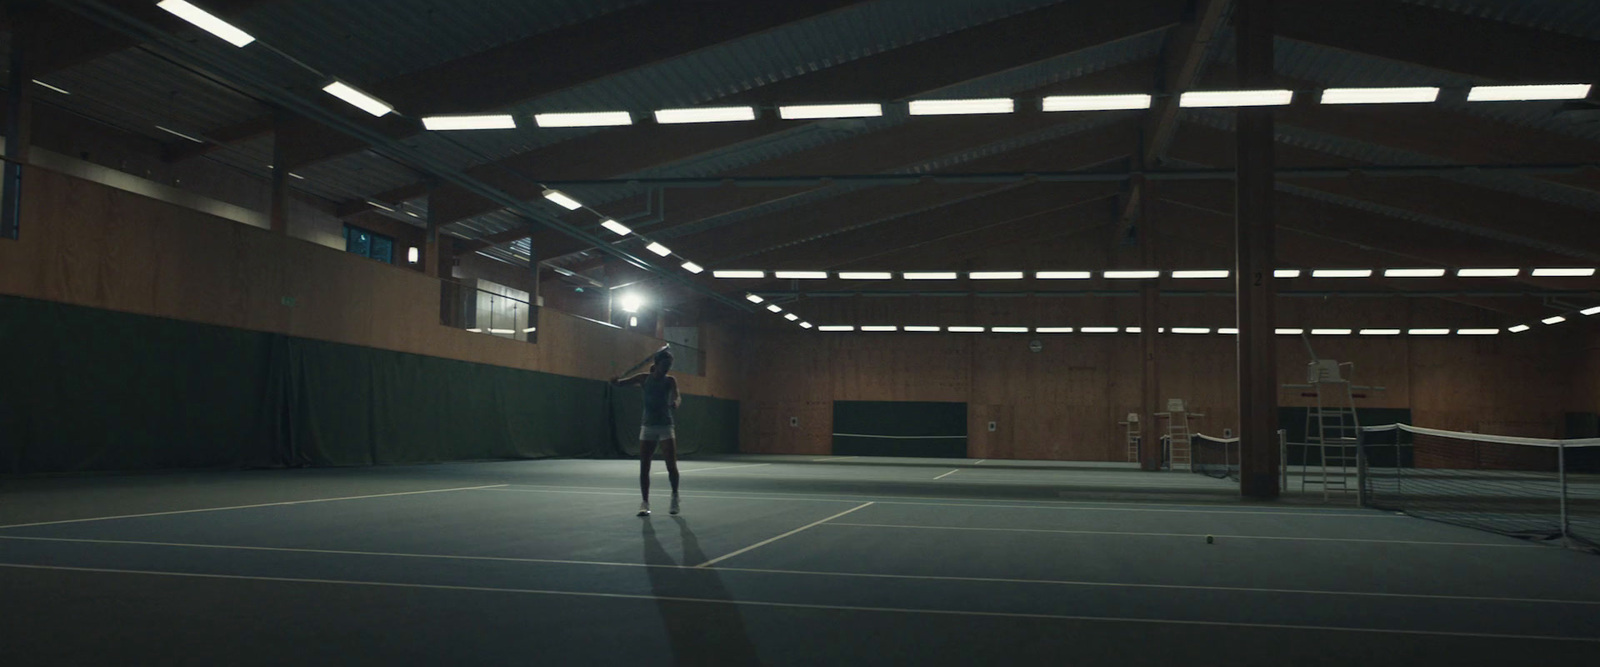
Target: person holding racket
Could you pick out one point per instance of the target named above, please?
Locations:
(660, 399)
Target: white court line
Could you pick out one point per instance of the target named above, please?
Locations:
(952, 472)
(857, 575)
(751, 465)
(837, 458)
(1196, 535)
(240, 507)
(906, 500)
(765, 542)
(797, 605)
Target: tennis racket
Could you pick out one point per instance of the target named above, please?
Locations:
(643, 362)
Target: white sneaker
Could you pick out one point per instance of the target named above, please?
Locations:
(674, 509)
(644, 509)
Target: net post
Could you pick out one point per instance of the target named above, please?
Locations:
(1561, 473)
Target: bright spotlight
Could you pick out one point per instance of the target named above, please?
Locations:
(631, 303)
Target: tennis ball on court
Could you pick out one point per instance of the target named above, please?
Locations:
(1209, 539)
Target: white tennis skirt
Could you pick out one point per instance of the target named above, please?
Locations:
(648, 433)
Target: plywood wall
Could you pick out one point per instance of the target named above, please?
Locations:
(87, 244)
(1064, 401)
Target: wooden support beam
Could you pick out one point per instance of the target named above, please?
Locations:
(1254, 251)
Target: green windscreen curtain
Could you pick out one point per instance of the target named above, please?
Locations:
(900, 428)
(84, 389)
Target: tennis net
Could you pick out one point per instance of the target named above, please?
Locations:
(1214, 457)
(1524, 487)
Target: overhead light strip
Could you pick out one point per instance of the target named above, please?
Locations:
(821, 111)
(358, 99)
(1572, 91)
(961, 107)
(583, 119)
(705, 115)
(470, 122)
(1235, 98)
(207, 21)
(1417, 95)
(1095, 102)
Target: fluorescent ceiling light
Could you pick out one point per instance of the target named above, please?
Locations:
(1519, 328)
(63, 92)
(957, 107)
(1190, 330)
(584, 119)
(207, 22)
(617, 228)
(1099, 330)
(358, 99)
(1428, 332)
(774, 308)
(814, 111)
(1562, 272)
(1135, 330)
(1063, 275)
(880, 328)
(691, 267)
(1288, 332)
(413, 255)
(931, 275)
(865, 275)
(801, 275)
(180, 134)
(1009, 329)
(738, 274)
(1477, 332)
(530, 329)
(1412, 273)
(705, 115)
(503, 331)
(1573, 91)
(1236, 98)
(1286, 273)
(995, 275)
(1228, 332)
(805, 325)
(1590, 311)
(475, 330)
(1379, 95)
(563, 200)
(472, 122)
(833, 327)
(412, 214)
(1554, 320)
(1095, 102)
(1380, 332)
(1341, 273)
(921, 328)
(381, 206)
(753, 298)
(1488, 273)
(1133, 274)
(1330, 332)
(965, 329)
(791, 317)
(631, 303)
(1209, 273)
(297, 176)
(658, 249)
(1054, 330)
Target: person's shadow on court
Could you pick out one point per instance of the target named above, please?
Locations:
(701, 633)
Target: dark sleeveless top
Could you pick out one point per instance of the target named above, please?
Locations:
(657, 401)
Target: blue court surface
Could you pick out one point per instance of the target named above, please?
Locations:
(775, 560)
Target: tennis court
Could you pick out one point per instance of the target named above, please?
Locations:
(775, 560)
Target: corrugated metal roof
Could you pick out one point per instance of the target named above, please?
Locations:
(1518, 184)
(138, 90)
(367, 41)
(1577, 18)
(806, 46)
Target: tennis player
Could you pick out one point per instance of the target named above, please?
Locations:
(660, 399)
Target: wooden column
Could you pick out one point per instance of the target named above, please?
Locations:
(278, 208)
(1149, 295)
(1254, 245)
(18, 127)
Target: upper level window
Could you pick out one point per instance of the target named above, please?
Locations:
(368, 244)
